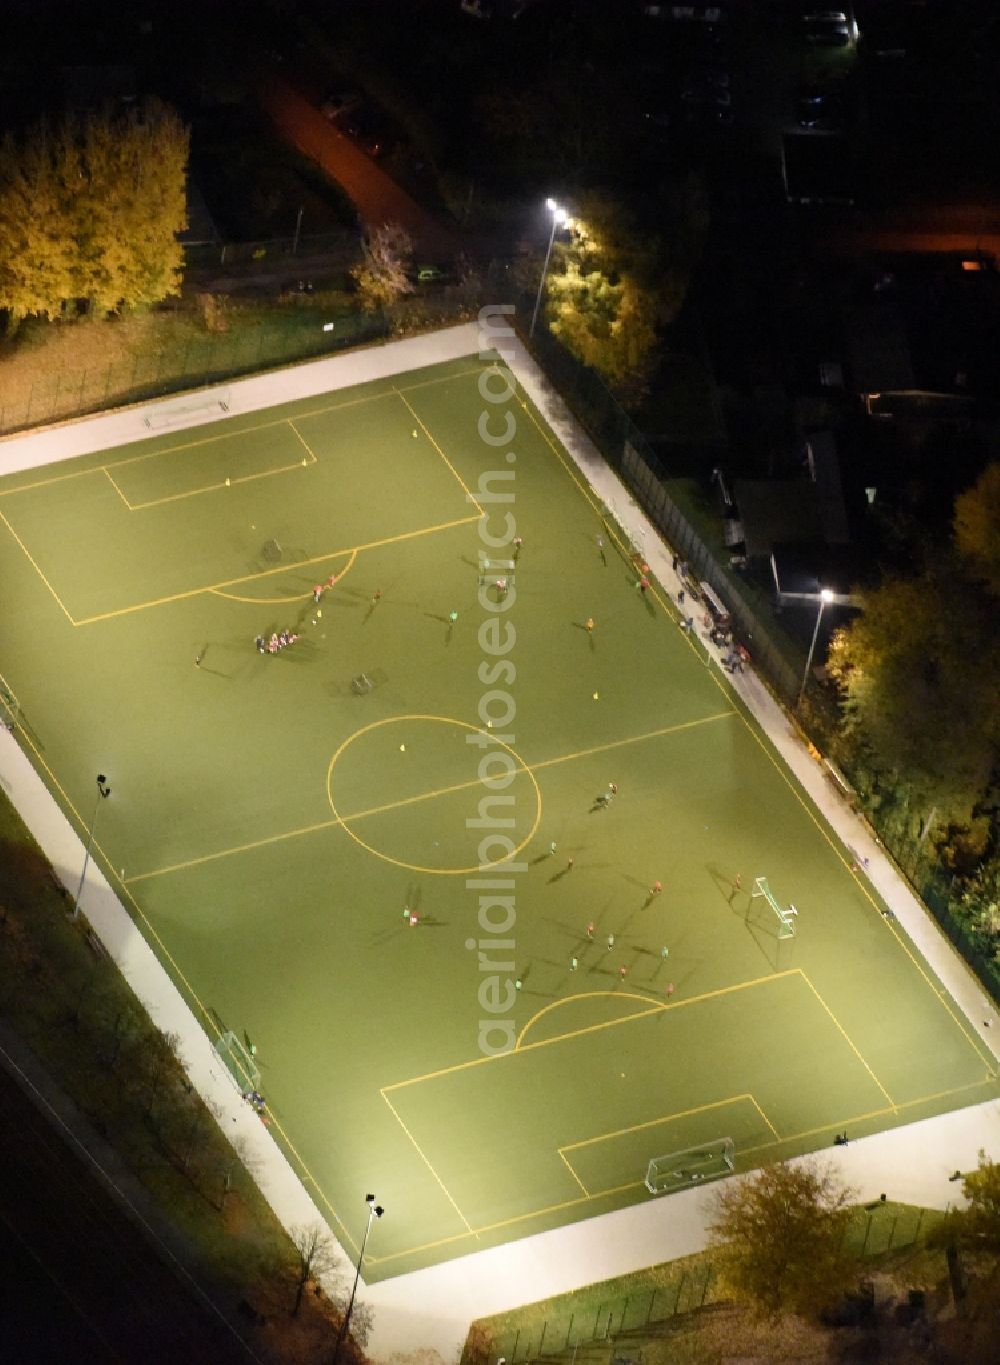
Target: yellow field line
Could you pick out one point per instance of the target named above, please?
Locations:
(807, 805)
(463, 485)
(848, 1040)
(632, 739)
(307, 447)
(658, 1007)
(241, 431)
(229, 852)
(587, 995)
(27, 554)
(423, 1158)
(346, 820)
(114, 485)
(269, 573)
(656, 1123)
(215, 487)
(569, 1166)
(209, 1022)
(637, 1184)
(283, 601)
(597, 505)
(764, 1116)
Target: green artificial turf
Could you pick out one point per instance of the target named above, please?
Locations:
(269, 822)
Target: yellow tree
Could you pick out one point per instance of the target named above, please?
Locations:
(382, 277)
(36, 244)
(130, 205)
(609, 292)
(91, 213)
(779, 1235)
(917, 673)
(977, 527)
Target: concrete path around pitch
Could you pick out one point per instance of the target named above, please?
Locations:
(430, 1310)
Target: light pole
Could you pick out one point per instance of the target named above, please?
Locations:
(825, 595)
(559, 219)
(103, 792)
(374, 1211)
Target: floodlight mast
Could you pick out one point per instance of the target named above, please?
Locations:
(825, 596)
(374, 1211)
(103, 792)
(559, 219)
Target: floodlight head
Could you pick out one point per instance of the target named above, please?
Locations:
(369, 1199)
(551, 205)
(826, 594)
(561, 217)
(378, 1210)
(101, 779)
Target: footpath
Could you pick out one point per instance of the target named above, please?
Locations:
(429, 1311)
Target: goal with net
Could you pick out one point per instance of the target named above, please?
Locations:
(239, 1062)
(690, 1166)
(786, 915)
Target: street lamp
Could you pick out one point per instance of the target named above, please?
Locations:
(374, 1211)
(825, 595)
(103, 792)
(559, 219)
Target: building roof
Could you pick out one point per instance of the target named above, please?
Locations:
(778, 511)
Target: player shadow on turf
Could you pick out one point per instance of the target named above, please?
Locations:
(765, 938)
(725, 884)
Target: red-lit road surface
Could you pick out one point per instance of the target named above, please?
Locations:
(961, 230)
(376, 196)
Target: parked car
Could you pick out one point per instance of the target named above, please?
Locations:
(369, 130)
(431, 273)
(827, 34)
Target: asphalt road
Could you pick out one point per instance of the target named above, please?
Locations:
(79, 1283)
(376, 196)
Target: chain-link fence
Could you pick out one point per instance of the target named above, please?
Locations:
(936, 890)
(189, 364)
(606, 1321)
(628, 1320)
(340, 247)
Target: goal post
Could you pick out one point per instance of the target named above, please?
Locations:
(239, 1062)
(690, 1166)
(786, 915)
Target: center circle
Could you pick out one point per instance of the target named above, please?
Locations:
(420, 759)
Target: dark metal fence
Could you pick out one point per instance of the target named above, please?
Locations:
(628, 1320)
(188, 365)
(609, 1320)
(341, 247)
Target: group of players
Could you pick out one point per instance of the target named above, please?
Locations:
(277, 642)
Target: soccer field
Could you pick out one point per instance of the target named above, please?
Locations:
(277, 820)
